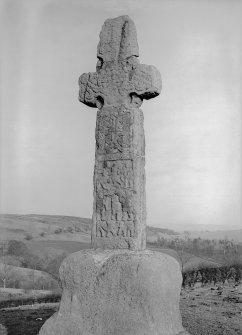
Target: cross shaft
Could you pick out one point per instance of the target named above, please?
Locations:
(117, 89)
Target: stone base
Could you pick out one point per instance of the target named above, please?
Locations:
(118, 292)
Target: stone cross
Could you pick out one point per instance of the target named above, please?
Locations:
(117, 89)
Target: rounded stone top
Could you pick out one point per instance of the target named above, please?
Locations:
(118, 39)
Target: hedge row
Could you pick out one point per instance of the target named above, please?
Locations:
(208, 275)
(15, 302)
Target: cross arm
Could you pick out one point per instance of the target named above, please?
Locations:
(146, 81)
(88, 88)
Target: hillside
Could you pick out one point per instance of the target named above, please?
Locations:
(30, 226)
(70, 228)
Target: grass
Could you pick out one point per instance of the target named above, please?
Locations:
(206, 310)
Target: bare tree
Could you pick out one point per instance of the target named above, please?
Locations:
(5, 272)
(5, 269)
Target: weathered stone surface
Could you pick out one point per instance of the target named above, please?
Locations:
(118, 292)
(118, 88)
(119, 180)
(3, 330)
(118, 39)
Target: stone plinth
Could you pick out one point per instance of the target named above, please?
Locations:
(118, 292)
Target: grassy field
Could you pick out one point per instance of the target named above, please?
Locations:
(212, 310)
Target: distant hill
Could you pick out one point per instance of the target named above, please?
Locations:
(202, 227)
(153, 233)
(213, 232)
(71, 228)
(29, 226)
(235, 235)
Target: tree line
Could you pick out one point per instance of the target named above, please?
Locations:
(212, 275)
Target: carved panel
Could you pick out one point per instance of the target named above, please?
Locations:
(113, 132)
(114, 186)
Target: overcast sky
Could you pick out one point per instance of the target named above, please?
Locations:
(193, 129)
